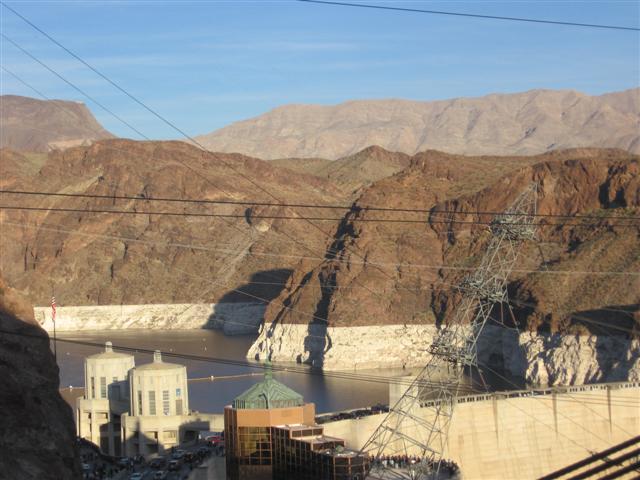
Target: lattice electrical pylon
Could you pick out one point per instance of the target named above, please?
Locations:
(417, 424)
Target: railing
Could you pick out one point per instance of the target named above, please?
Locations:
(532, 392)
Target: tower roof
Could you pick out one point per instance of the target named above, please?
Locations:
(269, 393)
(108, 353)
(158, 364)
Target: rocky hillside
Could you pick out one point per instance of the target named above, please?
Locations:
(353, 172)
(38, 433)
(525, 123)
(402, 274)
(107, 259)
(31, 125)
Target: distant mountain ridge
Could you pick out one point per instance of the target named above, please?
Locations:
(32, 125)
(526, 123)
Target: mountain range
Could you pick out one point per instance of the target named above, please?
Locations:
(524, 123)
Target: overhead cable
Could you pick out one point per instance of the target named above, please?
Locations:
(353, 207)
(475, 15)
(282, 217)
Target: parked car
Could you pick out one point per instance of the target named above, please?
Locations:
(158, 462)
(124, 462)
(86, 467)
(174, 465)
(178, 456)
(160, 475)
(135, 476)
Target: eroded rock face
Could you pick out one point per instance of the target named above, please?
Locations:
(105, 259)
(38, 434)
(541, 359)
(231, 318)
(574, 359)
(345, 348)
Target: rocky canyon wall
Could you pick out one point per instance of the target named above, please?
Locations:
(231, 318)
(37, 433)
(541, 359)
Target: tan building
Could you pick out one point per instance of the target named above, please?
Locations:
(129, 410)
(159, 404)
(98, 413)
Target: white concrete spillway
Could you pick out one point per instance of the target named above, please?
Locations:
(528, 433)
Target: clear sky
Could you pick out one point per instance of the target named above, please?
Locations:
(206, 64)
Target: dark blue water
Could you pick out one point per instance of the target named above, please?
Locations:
(329, 394)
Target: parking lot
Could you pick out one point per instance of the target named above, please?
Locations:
(183, 463)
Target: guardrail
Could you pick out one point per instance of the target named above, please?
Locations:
(531, 392)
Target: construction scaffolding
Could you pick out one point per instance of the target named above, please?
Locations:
(417, 424)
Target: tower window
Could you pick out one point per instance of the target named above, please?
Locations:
(165, 402)
(152, 402)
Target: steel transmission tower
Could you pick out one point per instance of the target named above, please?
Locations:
(417, 424)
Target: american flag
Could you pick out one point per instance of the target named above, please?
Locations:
(53, 308)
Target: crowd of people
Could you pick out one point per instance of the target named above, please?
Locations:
(448, 468)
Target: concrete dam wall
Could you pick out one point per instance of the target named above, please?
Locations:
(525, 434)
(232, 318)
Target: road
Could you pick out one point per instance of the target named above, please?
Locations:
(211, 467)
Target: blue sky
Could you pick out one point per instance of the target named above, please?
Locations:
(206, 64)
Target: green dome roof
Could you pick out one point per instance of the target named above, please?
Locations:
(269, 393)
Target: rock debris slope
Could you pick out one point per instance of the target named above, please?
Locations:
(524, 123)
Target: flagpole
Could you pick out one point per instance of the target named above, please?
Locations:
(53, 316)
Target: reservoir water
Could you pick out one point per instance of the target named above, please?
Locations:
(327, 392)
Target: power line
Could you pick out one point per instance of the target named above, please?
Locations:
(287, 307)
(578, 401)
(521, 303)
(240, 363)
(353, 207)
(291, 369)
(193, 214)
(155, 113)
(474, 15)
(72, 85)
(195, 171)
(329, 253)
(189, 246)
(278, 217)
(329, 256)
